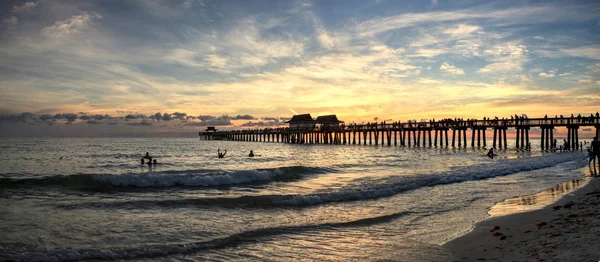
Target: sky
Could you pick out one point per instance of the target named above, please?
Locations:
(173, 67)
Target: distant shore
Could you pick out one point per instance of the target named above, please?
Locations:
(567, 230)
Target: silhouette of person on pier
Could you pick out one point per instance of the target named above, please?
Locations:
(221, 155)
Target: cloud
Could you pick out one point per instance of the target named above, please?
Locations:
(549, 74)
(70, 117)
(219, 121)
(534, 14)
(263, 124)
(93, 122)
(134, 116)
(244, 117)
(275, 119)
(505, 57)
(141, 123)
(25, 117)
(206, 117)
(180, 116)
(245, 45)
(13, 20)
(24, 8)
(589, 52)
(448, 68)
(70, 26)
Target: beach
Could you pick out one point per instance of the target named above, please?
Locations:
(566, 230)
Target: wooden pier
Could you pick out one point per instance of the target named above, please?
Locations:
(418, 134)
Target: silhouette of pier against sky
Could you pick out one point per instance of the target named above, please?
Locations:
(425, 133)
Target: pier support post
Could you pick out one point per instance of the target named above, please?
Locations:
(552, 145)
(473, 137)
(414, 137)
(446, 133)
(523, 138)
(403, 137)
(484, 138)
(576, 137)
(527, 137)
(518, 134)
(543, 138)
(429, 133)
(478, 137)
(453, 136)
(505, 143)
(435, 139)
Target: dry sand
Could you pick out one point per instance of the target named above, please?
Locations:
(568, 230)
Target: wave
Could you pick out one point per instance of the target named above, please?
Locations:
(393, 185)
(152, 251)
(193, 178)
(367, 190)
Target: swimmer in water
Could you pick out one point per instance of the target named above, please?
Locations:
(251, 154)
(221, 155)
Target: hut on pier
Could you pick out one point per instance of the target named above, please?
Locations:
(328, 122)
(303, 121)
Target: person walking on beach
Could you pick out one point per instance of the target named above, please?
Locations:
(595, 146)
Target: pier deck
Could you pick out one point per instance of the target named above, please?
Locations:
(400, 134)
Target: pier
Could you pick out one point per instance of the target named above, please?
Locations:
(328, 130)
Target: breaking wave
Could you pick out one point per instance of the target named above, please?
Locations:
(192, 178)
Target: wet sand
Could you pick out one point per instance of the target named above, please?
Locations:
(568, 230)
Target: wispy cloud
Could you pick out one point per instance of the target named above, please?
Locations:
(450, 69)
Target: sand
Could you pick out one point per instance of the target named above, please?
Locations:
(568, 230)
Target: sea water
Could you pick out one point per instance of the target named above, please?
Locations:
(92, 199)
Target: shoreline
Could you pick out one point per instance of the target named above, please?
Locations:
(560, 231)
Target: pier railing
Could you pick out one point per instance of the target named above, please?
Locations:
(348, 134)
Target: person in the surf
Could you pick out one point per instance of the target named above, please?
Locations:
(221, 155)
(154, 161)
(491, 154)
(251, 154)
(147, 156)
(142, 161)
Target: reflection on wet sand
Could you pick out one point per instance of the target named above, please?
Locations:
(536, 201)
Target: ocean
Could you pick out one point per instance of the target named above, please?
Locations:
(91, 199)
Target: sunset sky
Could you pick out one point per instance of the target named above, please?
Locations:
(151, 67)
